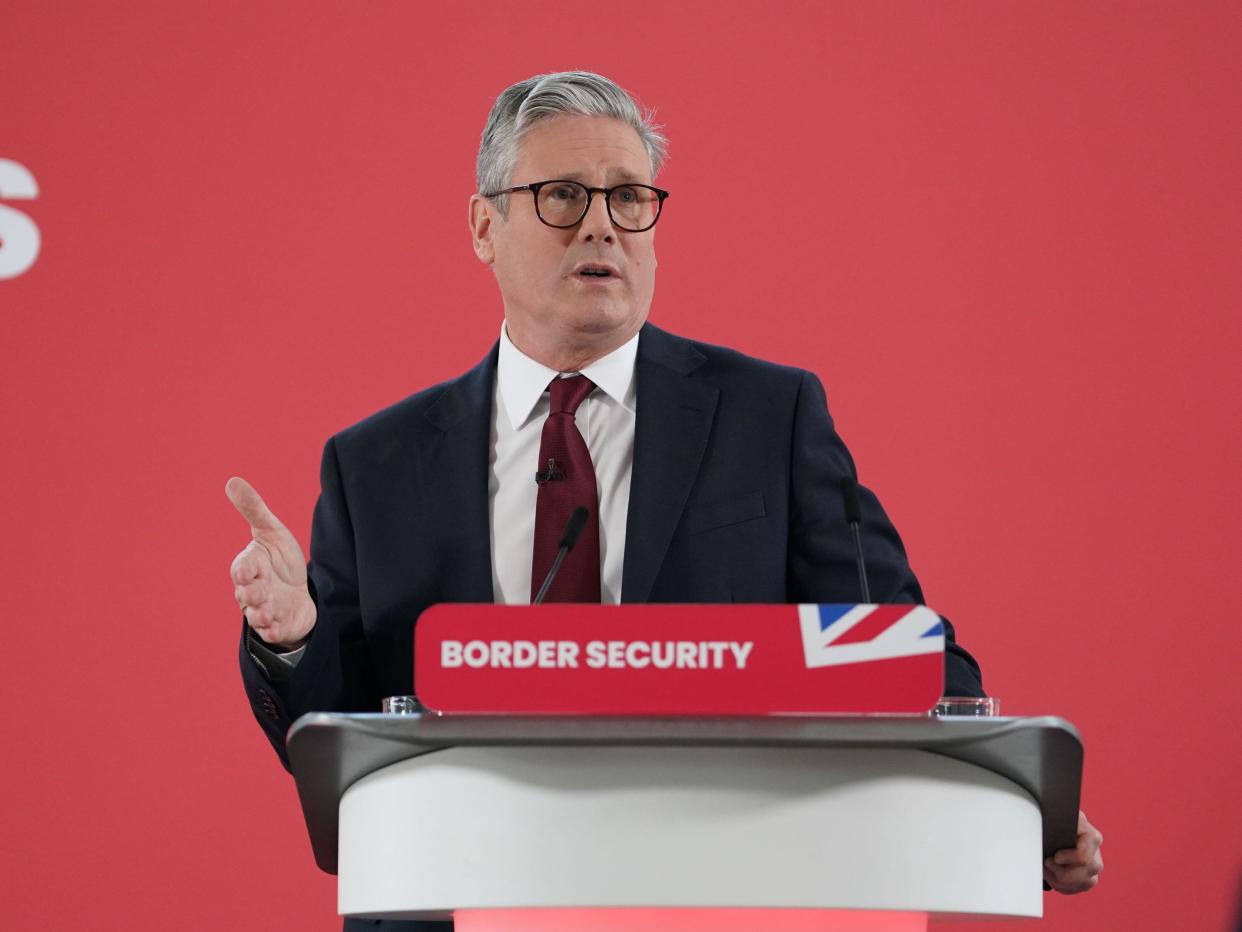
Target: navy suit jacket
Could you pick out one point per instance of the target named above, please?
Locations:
(735, 497)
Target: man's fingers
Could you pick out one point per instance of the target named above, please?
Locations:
(251, 564)
(1076, 870)
(254, 594)
(1088, 846)
(1088, 831)
(250, 505)
(271, 630)
(259, 617)
(1070, 879)
(1089, 841)
(1086, 855)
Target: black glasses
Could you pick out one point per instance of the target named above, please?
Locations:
(562, 204)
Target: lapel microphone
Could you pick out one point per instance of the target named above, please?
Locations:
(853, 517)
(573, 530)
(551, 474)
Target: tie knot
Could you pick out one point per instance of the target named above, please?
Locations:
(567, 394)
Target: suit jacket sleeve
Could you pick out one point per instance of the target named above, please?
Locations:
(334, 673)
(821, 562)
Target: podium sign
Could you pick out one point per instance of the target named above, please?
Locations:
(572, 659)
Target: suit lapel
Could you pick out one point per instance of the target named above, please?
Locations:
(454, 470)
(674, 422)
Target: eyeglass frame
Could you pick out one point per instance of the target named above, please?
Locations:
(661, 195)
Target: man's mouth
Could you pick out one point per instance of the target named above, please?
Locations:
(595, 272)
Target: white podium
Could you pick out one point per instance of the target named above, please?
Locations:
(427, 817)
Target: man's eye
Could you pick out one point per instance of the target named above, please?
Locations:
(625, 196)
(565, 193)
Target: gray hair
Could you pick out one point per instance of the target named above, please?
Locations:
(543, 96)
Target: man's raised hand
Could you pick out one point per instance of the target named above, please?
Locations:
(269, 575)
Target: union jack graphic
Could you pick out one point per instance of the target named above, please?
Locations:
(839, 634)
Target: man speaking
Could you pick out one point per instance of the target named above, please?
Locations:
(708, 476)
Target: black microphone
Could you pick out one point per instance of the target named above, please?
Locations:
(552, 474)
(853, 516)
(573, 530)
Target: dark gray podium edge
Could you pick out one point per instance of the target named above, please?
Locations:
(329, 752)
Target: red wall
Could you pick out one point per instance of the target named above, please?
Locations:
(1006, 235)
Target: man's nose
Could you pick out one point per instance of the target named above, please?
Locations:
(597, 225)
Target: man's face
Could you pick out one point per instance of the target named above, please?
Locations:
(553, 308)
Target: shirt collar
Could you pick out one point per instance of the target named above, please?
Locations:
(522, 381)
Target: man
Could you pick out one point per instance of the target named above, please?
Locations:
(713, 477)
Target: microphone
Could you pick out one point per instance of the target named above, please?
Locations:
(552, 474)
(853, 516)
(573, 530)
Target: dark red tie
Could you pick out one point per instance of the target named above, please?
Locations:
(566, 478)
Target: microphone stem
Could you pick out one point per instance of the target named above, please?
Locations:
(547, 580)
(862, 567)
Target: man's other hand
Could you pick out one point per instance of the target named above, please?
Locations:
(269, 575)
(1077, 869)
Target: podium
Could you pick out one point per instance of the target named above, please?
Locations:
(814, 820)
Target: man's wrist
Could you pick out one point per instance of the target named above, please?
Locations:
(278, 648)
(276, 662)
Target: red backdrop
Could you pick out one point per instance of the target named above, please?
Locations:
(1006, 236)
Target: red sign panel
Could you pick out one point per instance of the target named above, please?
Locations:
(679, 659)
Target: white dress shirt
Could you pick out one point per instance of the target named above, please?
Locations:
(519, 408)
(606, 420)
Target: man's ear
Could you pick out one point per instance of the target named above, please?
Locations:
(481, 229)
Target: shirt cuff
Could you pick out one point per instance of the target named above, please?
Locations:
(275, 665)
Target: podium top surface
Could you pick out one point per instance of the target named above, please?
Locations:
(329, 752)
